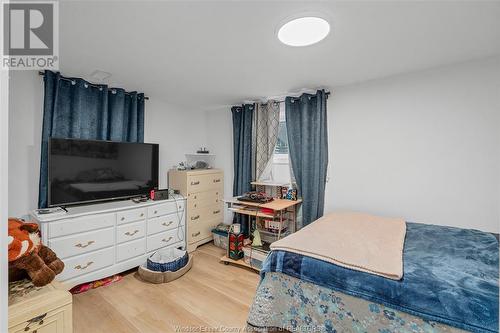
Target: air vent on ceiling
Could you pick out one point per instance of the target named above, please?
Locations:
(99, 76)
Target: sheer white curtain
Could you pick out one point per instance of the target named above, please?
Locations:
(277, 168)
(265, 134)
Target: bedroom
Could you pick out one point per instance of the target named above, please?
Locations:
(408, 128)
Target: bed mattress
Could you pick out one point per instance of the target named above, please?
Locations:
(450, 277)
(285, 302)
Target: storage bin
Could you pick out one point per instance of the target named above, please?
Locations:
(220, 238)
(254, 257)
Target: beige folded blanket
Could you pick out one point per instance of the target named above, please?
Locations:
(357, 241)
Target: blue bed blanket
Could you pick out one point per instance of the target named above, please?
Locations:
(450, 276)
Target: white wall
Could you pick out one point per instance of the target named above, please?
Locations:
(4, 196)
(424, 146)
(220, 142)
(25, 131)
(176, 130)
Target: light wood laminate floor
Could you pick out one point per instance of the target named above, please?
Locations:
(210, 295)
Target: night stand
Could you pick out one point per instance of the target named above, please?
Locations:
(45, 309)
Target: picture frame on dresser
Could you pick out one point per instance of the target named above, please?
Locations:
(100, 240)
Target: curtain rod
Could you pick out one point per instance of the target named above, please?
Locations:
(327, 93)
(91, 84)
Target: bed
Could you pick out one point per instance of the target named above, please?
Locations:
(449, 284)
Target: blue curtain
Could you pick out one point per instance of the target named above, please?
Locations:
(75, 108)
(306, 126)
(242, 146)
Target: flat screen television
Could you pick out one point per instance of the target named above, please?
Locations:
(84, 171)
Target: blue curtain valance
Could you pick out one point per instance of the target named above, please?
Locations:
(75, 108)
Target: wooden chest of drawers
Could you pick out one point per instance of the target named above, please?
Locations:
(203, 190)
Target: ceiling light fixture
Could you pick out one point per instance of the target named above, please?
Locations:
(304, 31)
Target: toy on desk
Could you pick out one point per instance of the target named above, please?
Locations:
(28, 255)
(288, 193)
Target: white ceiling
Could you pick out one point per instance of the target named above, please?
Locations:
(210, 53)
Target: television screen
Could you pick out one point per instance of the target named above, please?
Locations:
(88, 171)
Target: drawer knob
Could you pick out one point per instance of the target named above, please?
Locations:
(142, 214)
(128, 233)
(195, 217)
(216, 180)
(84, 267)
(216, 211)
(167, 240)
(195, 205)
(167, 224)
(155, 212)
(195, 183)
(80, 245)
(195, 197)
(123, 218)
(195, 234)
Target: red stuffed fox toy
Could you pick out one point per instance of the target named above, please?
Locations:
(28, 254)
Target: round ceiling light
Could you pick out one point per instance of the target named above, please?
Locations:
(304, 31)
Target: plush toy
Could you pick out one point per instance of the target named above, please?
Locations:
(28, 254)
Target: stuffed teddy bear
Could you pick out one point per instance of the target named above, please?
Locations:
(28, 254)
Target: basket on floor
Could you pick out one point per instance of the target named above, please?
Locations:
(167, 260)
(163, 277)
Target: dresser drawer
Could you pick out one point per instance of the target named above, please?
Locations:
(166, 208)
(87, 263)
(164, 239)
(130, 250)
(51, 323)
(127, 216)
(216, 179)
(201, 183)
(82, 243)
(164, 223)
(80, 224)
(204, 199)
(204, 214)
(199, 231)
(130, 231)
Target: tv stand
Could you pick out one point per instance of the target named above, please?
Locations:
(100, 240)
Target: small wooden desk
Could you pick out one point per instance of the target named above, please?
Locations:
(279, 206)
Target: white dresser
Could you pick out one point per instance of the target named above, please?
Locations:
(96, 241)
